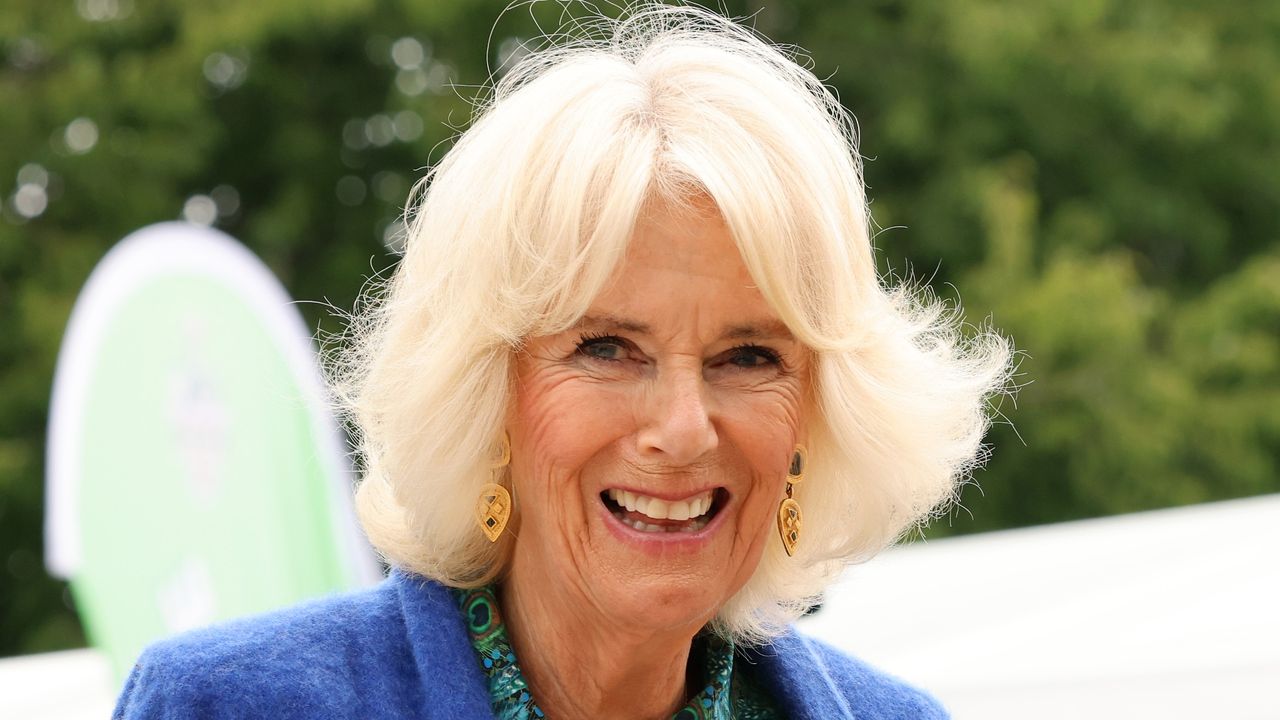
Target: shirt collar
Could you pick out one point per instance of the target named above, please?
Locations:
(509, 693)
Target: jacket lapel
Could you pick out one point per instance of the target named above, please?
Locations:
(450, 678)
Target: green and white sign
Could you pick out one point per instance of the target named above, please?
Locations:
(195, 472)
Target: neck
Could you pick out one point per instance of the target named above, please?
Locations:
(580, 664)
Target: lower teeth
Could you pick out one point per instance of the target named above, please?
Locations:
(688, 527)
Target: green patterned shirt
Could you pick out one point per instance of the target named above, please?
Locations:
(728, 693)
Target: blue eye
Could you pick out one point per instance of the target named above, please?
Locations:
(603, 347)
(752, 356)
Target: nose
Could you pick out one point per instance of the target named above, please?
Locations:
(678, 427)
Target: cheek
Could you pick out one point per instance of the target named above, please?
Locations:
(561, 421)
(766, 426)
(766, 491)
(766, 429)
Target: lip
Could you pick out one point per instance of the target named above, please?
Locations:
(665, 542)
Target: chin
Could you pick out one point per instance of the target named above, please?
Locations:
(657, 602)
(676, 579)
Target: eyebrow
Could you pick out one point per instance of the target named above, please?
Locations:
(764, 330)
(612, 323)
(760, 330)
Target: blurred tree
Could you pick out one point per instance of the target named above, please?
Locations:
(1098, 176)
(1083, 171)
(297, 127)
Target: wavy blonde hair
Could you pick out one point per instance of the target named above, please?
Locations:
(522, 223)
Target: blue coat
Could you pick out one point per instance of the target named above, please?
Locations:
(400, 650)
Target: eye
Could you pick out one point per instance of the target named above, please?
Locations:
(752, 356)
(603, 347)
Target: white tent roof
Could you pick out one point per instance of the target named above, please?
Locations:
(1170, 614)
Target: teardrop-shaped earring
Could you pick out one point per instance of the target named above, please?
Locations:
(493, 507)
(790, 519)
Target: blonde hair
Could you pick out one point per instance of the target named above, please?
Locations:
(521, 224)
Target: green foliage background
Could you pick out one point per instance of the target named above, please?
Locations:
(1099, 177)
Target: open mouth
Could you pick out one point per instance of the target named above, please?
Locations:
(655, 515)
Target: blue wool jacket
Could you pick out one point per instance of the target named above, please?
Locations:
(401, 650)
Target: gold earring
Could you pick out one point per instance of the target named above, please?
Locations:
(493, 508)
(790, 520)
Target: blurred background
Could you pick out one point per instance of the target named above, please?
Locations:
(1098, 179)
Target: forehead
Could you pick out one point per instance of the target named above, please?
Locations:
(688, 240)
(683, 267)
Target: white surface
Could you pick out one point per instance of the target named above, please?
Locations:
(1170, 614)
(70, 685)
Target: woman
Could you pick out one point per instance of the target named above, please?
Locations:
(632, 398)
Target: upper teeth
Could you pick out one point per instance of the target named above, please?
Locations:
(659, 509)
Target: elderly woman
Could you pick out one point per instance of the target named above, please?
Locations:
(632, 398)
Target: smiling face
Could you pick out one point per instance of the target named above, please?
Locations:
(650, 442)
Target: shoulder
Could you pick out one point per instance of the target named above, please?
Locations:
(804, 672)
(321, 658)
(870, 687)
